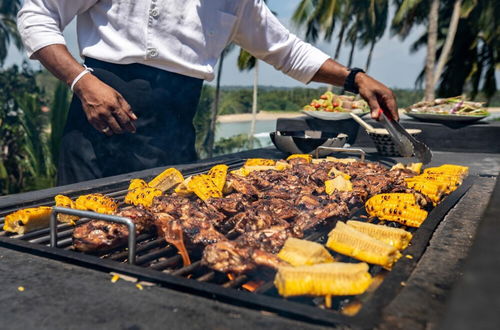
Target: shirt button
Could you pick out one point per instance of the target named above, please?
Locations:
(152, 52)
(154, 12)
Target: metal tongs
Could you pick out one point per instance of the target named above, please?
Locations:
(406, 144)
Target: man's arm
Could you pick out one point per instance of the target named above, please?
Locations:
(375, 93)
(40, 23)
(262, 34)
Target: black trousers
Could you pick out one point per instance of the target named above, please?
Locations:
(165, 104)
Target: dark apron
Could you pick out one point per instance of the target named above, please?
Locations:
(165, 104)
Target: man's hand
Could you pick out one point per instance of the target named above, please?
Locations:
(105, 108)
(377, 95)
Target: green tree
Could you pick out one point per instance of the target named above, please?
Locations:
(8, 28)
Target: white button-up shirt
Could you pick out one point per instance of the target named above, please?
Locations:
(182, 36)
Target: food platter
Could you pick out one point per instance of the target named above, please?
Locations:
(325, 115)
(444, 118)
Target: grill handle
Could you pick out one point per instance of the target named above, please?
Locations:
(360, 152)
(99, 216)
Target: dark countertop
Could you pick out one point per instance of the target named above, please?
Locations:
(62, 296)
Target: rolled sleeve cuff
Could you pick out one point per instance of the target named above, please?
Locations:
(308, 65)
(41, 40)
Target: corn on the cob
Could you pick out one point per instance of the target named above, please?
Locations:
(97, 203)
(337, 184)
(404, 213)
(397, 237)
(337, 278)
(251, 168)
(260, 162)
(218, 174)
(166, 180)
(142, 196)
(457, 170)
(65, 201)
(307, 157)
(341, 160)
(347, 240)
(203, 186)
(137, 183)
(378, 200)
(432, 190)
(281, 166)
(183, 189)
(240, 172)
(298, 252)
(25, 220)
(335, 172)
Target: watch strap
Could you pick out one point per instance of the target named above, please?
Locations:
(350, 83)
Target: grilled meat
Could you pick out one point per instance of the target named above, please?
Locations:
(99, 235)
(230, 257)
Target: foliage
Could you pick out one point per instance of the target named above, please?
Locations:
(23, 132)
(58, 115)
(235, 143)
(476, 49)
(201, 120)
(8, 28)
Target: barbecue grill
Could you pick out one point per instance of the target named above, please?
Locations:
(156, 261)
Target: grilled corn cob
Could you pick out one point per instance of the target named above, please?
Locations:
(337, 278)
(298, 252)
(97, 203)
(307, 157)
(334, 172)
(137, 183)
(203, 186)
(341, 160)
(378, 200)
(240, 172)
(183, 189)
(281, 165)
(432, 190)
(166, 180)
(339, 184)
(260, 162)
(25, 220)
(404, 213)
(142, 196)
(65, 201)
(347, 240)
(396, 237)
(457, 170)
(218, 174)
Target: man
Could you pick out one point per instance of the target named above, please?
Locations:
(145, 62)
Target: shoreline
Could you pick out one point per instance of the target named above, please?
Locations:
(271, 115)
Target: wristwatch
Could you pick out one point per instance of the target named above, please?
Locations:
(350, 84)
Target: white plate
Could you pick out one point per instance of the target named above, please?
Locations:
(325, 115)
(443, 118)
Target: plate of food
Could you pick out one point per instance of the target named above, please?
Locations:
(335, 107)
(453, 109)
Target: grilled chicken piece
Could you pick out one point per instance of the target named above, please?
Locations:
(270, 239)
(229, 257)
(101, 236)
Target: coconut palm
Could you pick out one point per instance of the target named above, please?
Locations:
(467, 60)
(248, 62)
(8, 28)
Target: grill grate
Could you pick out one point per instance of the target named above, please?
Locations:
(157, 261)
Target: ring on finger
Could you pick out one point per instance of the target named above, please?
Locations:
(105, 130)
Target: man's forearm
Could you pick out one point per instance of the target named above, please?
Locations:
(332, 73)
(58, 60)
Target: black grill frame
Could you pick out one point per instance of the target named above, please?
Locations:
(367, 316)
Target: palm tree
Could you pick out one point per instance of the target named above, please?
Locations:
(210, 138)
(248, 62)
(470, 59)
(430, 59)
(8, 28)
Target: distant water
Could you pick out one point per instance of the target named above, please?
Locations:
(262, 129)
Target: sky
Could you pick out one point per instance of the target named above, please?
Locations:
(392, 62)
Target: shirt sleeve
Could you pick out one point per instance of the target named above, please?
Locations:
(263, 36)
(41, 22)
